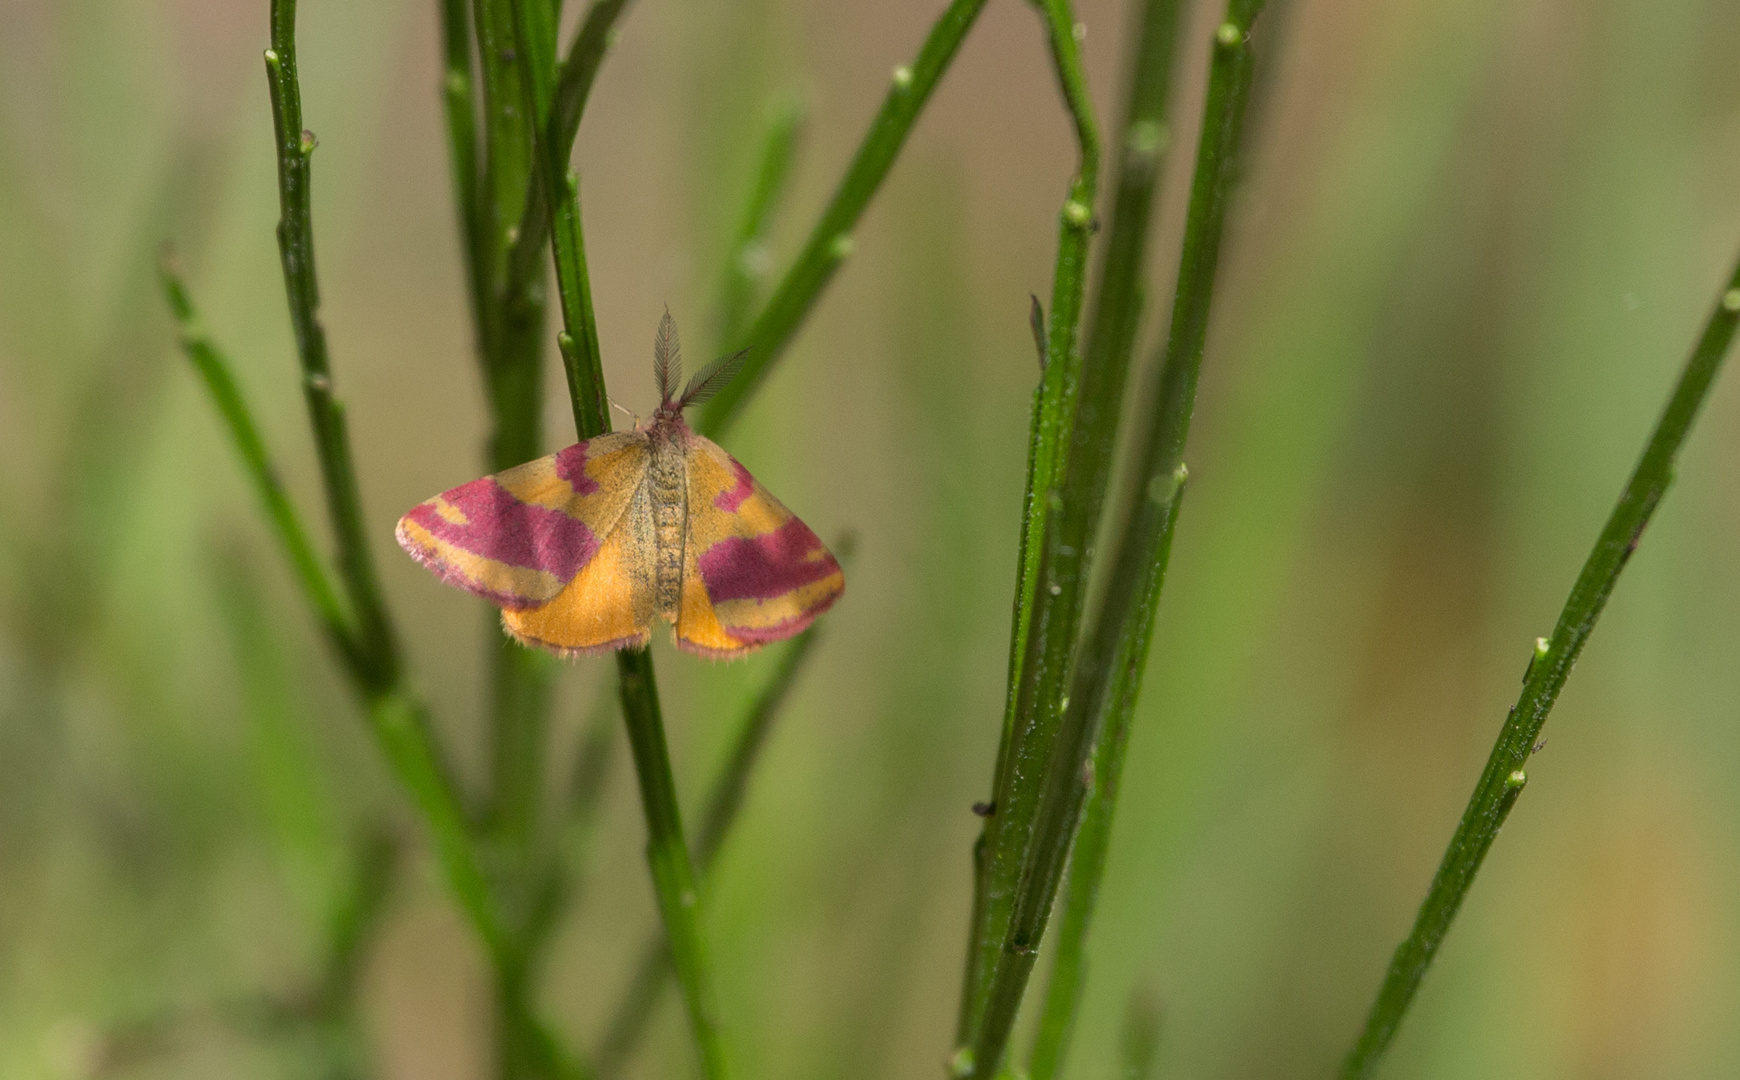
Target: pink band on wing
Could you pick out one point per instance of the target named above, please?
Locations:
(500, 527)
(731, 498)
(765, 566)
(571, 466)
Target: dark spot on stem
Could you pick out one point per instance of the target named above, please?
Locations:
(984, 809)
(1036, 319)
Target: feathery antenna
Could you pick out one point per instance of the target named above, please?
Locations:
(667, 358)
(712, 379)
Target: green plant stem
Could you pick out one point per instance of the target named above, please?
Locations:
(1118, 650)
(726, 797)
(1028, 732)
(1229, 85)
(667, 854)
(567, 105)
(592, 762)
(1109, 667)
(581, 358)
(220, 382)
(513, 359)
(527, 1046)
(1503, 778)
(1139, 1042)
(635, 1008)
(1051, 755)
(667, 851)
(531, 39)
(374, 638)
(400, 723)
(1068, 536)
(513, 363)
(459, 101)
(398, 719)
(830, 242)
(580, 814)
(744, 263)
(355, 917)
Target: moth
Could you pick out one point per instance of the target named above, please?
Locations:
(583, 549)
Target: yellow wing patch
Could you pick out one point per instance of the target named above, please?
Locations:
(609, 604)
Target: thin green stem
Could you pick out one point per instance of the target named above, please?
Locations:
(531, 24)
(355, 918)
(745, 263)
(521, 692)
(1110, 665)
(1229, 87)
(1029, 731)
(295, 146)
(981, 942)
(830, 242)
(635, 1008)
(726, 797)
(1044, 781)
(1139, 1042)
(513, 362)
(567, 105)
(527, 1046)
(401, 726)
(1106, 663)
(459, 100)
(566, 866)
(592, 762)
(667, 851)
(220, 382)
(579, 340)
(1117, 649)
(667, 854)
(513, 357)
(399, 720)
(582, 357)
(1503, 778)
(1061, 587)
(532, 30)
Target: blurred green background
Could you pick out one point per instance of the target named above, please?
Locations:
(1471, 249)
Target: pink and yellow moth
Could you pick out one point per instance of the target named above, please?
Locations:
(583, 548)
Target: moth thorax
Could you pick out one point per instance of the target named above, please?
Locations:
(667, 482)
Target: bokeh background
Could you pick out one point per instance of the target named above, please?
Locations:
(1471, 248)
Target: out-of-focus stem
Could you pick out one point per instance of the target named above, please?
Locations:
(220, 382)
(746, 259)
